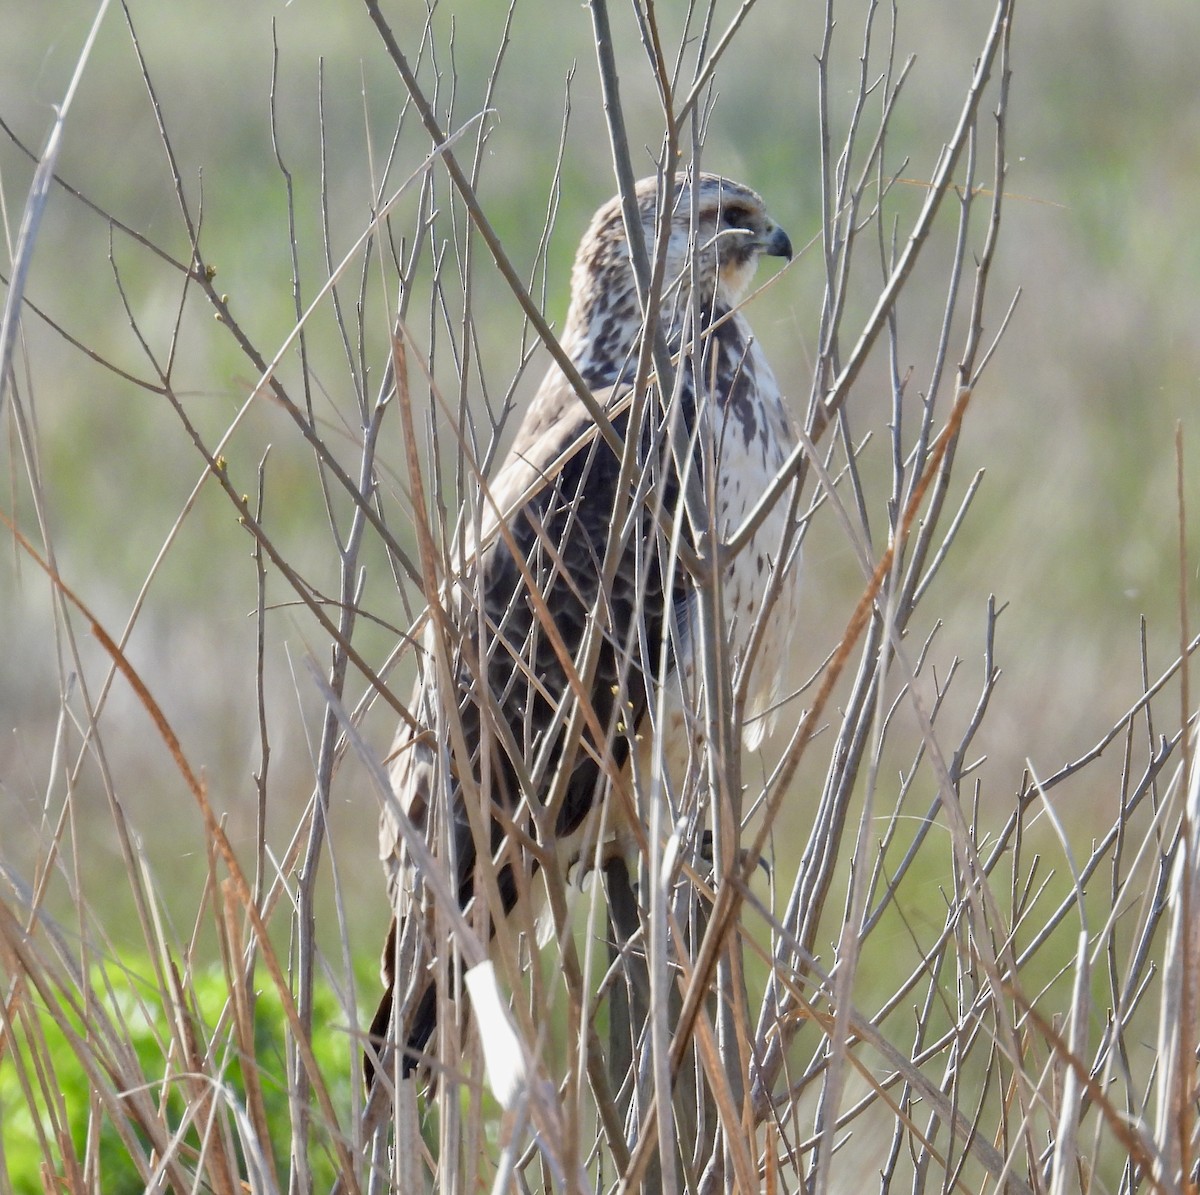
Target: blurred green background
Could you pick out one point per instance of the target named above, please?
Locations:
(1075, 525)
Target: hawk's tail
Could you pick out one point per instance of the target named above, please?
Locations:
(420, 1025)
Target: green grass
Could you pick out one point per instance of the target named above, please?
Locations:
(34, 1151)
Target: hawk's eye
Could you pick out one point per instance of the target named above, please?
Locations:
(735, 216)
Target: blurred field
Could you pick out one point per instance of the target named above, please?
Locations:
(1074, 527)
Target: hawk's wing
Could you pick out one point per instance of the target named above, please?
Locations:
(520, 616)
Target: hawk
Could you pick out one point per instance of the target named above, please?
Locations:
(570, 548)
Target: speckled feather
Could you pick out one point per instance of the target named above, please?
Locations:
(555, 494)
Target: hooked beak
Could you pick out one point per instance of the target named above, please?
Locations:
(776, 244)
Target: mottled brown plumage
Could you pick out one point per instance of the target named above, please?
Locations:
(555, 497)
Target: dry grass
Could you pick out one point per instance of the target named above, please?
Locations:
(929, 994)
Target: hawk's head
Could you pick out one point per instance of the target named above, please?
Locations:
(719, 228)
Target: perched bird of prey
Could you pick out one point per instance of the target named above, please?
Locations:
(570, 632)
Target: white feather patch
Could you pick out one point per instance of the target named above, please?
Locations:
(502, 1054)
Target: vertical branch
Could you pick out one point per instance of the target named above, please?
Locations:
(1185, 699)
(348, 594)
(634, 1015)
(1174, 1129)
(264, 740)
